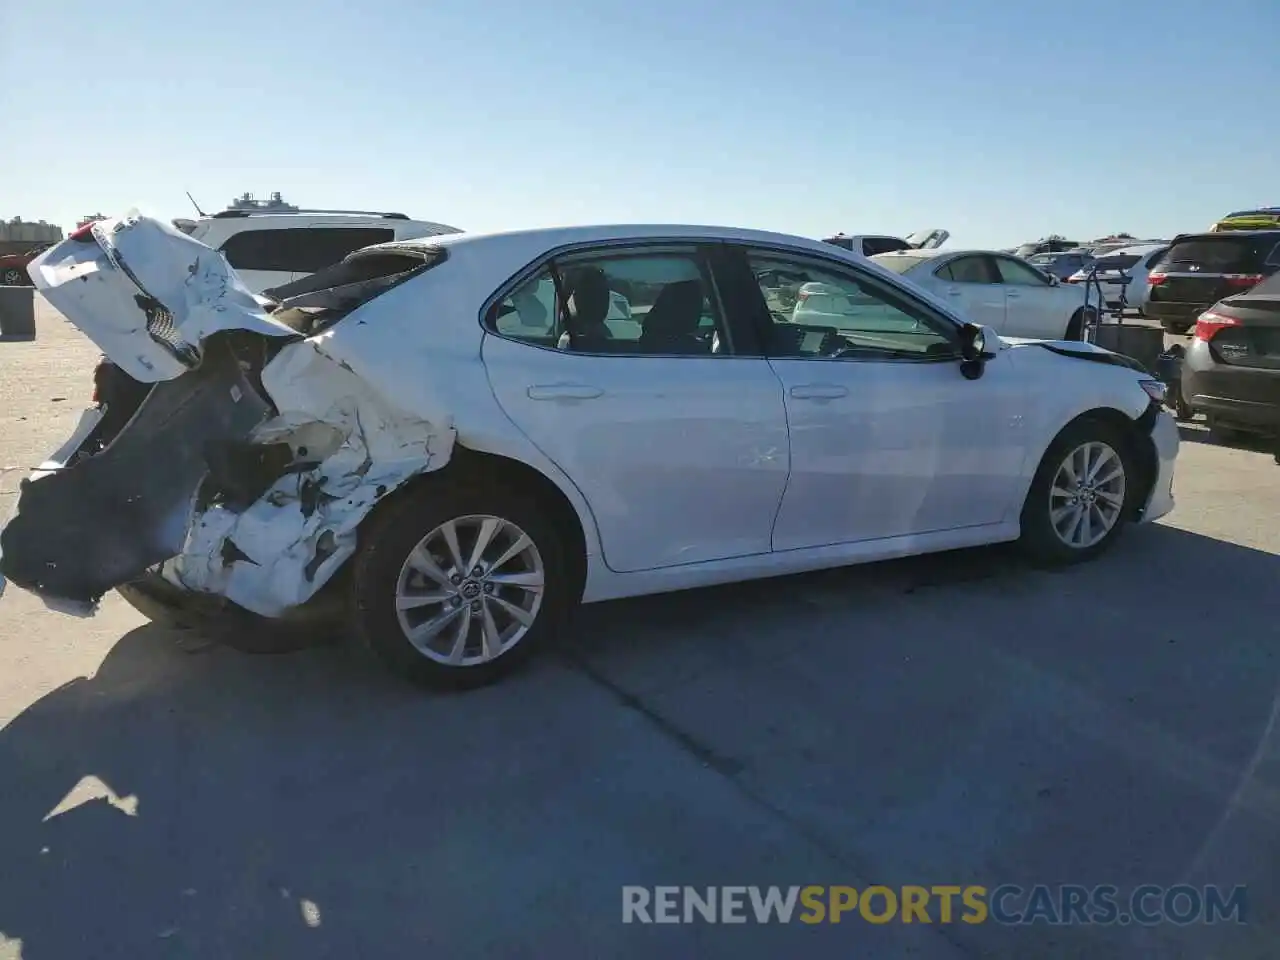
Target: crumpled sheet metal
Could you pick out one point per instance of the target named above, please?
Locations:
(90, 283)
(277, 553)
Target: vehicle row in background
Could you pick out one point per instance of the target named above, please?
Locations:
(869, 244)
(1200, 269)
(997, 290)
(1121, 276)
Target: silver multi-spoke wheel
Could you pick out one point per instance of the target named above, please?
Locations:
(470, 590)
(12, 278)
(1086, 498)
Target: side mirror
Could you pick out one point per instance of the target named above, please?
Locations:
(973, 350)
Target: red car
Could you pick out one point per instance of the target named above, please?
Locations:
(13, 266)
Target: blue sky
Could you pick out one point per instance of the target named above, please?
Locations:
(1000, 120)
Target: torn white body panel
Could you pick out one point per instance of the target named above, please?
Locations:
(277, 553)
(111, 290)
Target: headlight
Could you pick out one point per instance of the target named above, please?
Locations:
(1155, 389)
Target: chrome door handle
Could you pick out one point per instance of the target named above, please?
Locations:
(1012, 294)
(953, 292)
(564, 391)
(819, 391)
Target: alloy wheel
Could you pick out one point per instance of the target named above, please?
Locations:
(1086, 498)
(12, 278)
(470, 590)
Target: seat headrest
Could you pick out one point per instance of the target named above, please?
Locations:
(676, 310)
(588, 298)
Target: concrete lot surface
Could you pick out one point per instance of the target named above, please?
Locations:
(956, 719)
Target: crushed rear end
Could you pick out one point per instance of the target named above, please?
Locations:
(238, 441)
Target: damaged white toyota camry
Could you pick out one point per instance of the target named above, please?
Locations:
(456, 440)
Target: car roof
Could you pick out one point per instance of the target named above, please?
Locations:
(948, 252)
(1218, 234)
(548, 238)
(1137, 250)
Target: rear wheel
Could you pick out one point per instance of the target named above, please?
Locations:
(1081, 495)
(455, 586)
(234, 627)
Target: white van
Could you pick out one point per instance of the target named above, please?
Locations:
(271, 248)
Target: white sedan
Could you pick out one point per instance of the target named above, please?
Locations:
(1123, 271)
(396, 437)
(998, 290)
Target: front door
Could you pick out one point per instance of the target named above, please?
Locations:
(679, 446)
(1033, 306)
(972, 286)
(887, 438)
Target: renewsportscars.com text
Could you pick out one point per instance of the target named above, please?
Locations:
(1008, 904)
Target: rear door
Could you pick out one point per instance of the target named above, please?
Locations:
(1033, 306)
(970, 281)
(674, 432)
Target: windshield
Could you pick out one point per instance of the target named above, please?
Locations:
(898, 263)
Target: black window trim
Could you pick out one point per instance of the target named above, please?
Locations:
(699, 247)
(950, 325)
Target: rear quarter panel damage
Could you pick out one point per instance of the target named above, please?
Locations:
(281, 549)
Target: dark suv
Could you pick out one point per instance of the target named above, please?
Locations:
(1202, 268)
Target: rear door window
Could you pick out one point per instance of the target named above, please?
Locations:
(968, 270)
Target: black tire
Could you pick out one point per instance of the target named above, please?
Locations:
(1039, 541)
(160, 611)
(231, 626)
(1223, 435)
(1181, 409)
(386, 543)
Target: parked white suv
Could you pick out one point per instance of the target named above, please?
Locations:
(271, 248)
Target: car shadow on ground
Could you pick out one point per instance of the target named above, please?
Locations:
(191, 801)
(1198, 432)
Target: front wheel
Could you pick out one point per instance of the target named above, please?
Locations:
(1081, 496)
(455, 586)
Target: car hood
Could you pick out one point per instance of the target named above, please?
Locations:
(147, 294)
(1079, 349)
